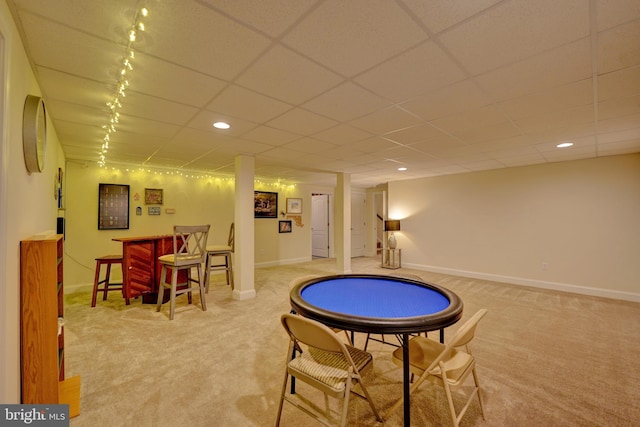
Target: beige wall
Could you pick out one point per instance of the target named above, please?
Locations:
(195, 200)
(27, 205)
(572, 225)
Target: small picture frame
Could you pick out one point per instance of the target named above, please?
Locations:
(153, 196)
(154, 210)
(294, 206)
(284, 226)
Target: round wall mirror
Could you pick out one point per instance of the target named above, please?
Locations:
(34, 133)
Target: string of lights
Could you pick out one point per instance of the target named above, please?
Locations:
(122, 84)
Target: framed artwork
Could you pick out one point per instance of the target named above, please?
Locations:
(265, 204)
(153, 196)
(294, 206)
(284, 226)
(154, 210)
(113, 207)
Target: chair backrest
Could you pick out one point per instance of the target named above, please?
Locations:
(232, 236)
(190, 243)
(313, 334)
(463, 336)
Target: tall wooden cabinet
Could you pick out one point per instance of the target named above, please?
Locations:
(42, 324)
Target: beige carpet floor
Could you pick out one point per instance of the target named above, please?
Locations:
(545, 358)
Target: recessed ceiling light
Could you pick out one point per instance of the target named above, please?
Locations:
(402, 169)
(565, 145)
(221, 125)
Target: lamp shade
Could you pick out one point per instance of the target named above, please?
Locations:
(392, 225)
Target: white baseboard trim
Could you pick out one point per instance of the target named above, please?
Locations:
(283, 262)
(563, 287)
(243, 295)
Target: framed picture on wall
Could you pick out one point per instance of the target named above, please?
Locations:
(113, 207)
(153, 196)
(265, 204)
(294, 206)
(284, 226)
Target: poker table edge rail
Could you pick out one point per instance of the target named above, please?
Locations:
(432, 322)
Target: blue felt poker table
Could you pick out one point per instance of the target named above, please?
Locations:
(378, 304)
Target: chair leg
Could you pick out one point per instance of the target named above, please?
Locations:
(174, 287)
(230, 271)
(163, 279)
(106, 282)
(189, 281)
(207, 273)
(96, 280)
(201, 283)
(475, 379)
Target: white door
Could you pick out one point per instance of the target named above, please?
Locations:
(358, 224)
(320, 225)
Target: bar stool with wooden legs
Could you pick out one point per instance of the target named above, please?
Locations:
(224, 251)
(107, 286)
(189, 251)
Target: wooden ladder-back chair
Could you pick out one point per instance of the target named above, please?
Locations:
(326, 363)
(189, 250)
(447, 365)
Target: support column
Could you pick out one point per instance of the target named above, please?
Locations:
(244, 259)
(343, 223)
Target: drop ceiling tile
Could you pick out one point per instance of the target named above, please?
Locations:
(521, 159)
(437, 144)
(110, 20)
(309, 145)
(76, 113)
(152, 108)
(248, 105)
(270, 16)
(373, 144)
(336, 29)
(285, 75)
(222, 48)
(557, 119)
(492, 132)
(617, 148)
(470, 119)
(619, 48)
(421, 132)
(270, 135)
(455, 98)
(153, 76)
(566, 64)
(619, 108)
(619, 84)
(547, 100)
(65, 49)
(611, 13)
(386, 120)
(516, 30)
(137, 125)
(422, 69)
(74, 90)
(624, 135)
(342, 134)
(301, 122)
(345, 102)
(619, 123)
(439, 16)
